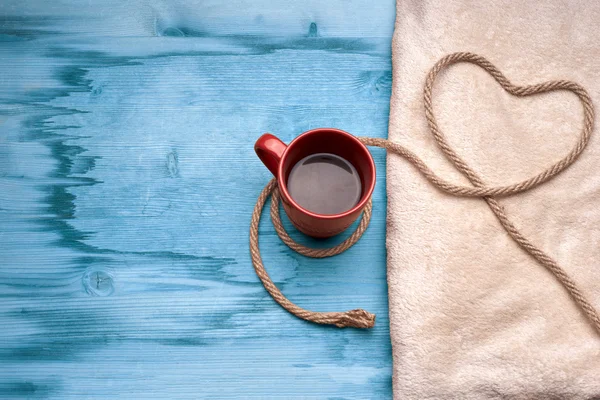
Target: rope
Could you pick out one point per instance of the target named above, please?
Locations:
(353, 318)
(362, 319)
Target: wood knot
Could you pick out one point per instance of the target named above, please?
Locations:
(98, 283)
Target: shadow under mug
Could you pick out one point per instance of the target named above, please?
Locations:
(280, 158)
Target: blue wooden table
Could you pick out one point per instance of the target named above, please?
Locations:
(127, 180)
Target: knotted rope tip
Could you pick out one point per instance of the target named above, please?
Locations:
(356, 319)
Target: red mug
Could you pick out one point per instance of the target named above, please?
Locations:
(280, 158)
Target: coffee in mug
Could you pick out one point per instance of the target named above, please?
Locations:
(324, 183)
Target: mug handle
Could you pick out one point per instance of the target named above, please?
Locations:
(270, 149)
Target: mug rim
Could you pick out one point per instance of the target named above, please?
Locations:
(364, 199)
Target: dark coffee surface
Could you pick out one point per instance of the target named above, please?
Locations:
(324, 184)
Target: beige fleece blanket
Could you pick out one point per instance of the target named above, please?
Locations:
(472, 315)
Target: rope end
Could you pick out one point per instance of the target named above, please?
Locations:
(356, 319)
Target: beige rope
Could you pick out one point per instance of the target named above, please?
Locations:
(362, 319)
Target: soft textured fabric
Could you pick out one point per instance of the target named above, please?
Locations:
(472, 315)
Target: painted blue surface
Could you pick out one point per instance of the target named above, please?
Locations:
(127, 180)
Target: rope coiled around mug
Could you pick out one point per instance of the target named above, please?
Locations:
(362, 319)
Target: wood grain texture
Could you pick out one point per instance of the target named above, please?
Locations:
(127, 181)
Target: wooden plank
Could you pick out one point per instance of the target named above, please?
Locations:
(127, 179)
